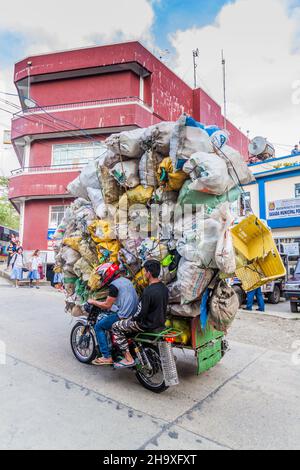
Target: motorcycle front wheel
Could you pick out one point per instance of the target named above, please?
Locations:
(83, 344)
(153, 379)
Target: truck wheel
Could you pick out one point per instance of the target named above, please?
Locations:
(294, 307)
(275, 297)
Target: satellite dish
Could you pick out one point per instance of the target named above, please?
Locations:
(29, 103)
(261, 148)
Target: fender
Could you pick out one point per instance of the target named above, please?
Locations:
(84, 321)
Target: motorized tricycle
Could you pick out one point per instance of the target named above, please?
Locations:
(155, 364)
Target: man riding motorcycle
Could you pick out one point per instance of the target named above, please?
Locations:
(121, 304)
(150, 316)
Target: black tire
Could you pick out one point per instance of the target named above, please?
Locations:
(154, 358)
(240, 293)
(275, 297)
(91, 353)
(294, 307)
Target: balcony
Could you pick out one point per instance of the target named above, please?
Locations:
(48, 169)
(42, 181)
(97, 117)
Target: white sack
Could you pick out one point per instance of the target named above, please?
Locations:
(187, 140)
(193, 281)
(98, 203)
(225, 253)
(208, 173)
(126, 173)
(237, 167)
(130, 145)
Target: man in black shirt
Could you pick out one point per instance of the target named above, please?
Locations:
(151, 313)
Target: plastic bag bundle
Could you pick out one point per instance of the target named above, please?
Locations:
(237, 167)
(168, 178)
(186, 141)
(98, 203)
(147, 168)
(151, 248)
(224, 306)
(73, 242)
(155, 193)
(186, 311)
(208, 173)
(76, 189)
(110, 189)
(193, 280)
(158, 137)
(138, 195)
(126, 143)
(126, 173)
(89, 176)
(225, 253)
(83, 269)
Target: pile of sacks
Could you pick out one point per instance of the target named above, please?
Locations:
(162, 193)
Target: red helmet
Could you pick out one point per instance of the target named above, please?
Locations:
(108, 272)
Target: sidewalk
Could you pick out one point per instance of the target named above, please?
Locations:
(281, 310)
(4, 274)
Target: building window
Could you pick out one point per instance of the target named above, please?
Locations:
(76, 154)
(56, 216)
(297, 190)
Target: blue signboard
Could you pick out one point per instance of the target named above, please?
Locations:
(51, 232)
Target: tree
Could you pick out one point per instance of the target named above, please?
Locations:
(8, 215)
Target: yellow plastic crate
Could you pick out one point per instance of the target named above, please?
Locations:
(254, 240)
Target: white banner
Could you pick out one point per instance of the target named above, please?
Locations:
(284, 209)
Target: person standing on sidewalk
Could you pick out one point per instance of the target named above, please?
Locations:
(34, 263)
(17, 266)
(11, 250)
(260, 300)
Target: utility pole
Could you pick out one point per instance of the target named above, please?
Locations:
(196, 54)
(224, 89)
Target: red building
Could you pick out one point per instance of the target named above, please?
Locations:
(71, 101)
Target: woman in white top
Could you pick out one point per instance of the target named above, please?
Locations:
(17, 263)
(34, 263)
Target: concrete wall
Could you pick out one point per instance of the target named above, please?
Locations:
(98, 87)
(36, 222)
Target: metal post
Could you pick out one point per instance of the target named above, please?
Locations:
(195, 56)
(224, 89)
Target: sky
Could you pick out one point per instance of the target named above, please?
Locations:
(261, 42)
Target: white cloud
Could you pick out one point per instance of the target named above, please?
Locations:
(67, 24)
(263, 62)
(63, 24)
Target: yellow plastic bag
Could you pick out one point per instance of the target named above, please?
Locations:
(108, 251)
(140, 282)
(73, 242)
(94, 281)
(101, 231)
(168, 179)
(138, 195)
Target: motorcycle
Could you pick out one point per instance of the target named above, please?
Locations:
(155, 365)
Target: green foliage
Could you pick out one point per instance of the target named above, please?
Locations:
(8, 215)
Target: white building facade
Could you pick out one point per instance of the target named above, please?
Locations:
(275, 197)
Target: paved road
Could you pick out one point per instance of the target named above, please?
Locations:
(50, 401)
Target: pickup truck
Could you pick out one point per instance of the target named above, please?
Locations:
(292, 289)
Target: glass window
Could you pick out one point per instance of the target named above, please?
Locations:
(76, 154)
(297, 190)
(56, 215)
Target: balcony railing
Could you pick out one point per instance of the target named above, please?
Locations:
(86, 104)
(48, 169)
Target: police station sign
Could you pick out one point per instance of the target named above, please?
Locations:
(284, 209)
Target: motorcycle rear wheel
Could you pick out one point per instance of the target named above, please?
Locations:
(153, 381)
(85, 355)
